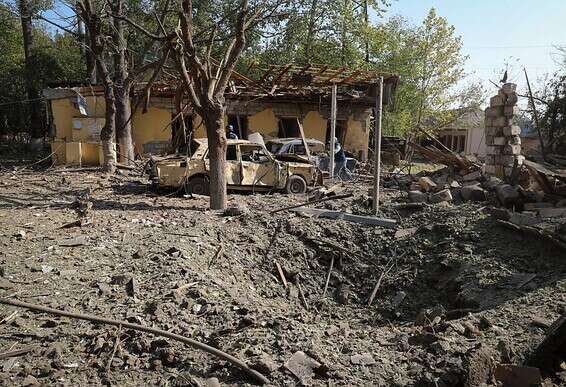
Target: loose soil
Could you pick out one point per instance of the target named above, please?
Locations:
(460, 294)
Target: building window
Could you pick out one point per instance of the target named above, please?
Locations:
(288, 127)
(341, 129)
(240, 124)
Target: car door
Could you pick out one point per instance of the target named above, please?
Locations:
(257, 166)
(232, 168)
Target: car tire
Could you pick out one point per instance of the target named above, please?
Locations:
(198, 185)
(296, 185)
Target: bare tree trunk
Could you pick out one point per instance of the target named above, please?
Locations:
(36, 124)
(108, 130)
(366, 20)
(216, 134)
(96, 41)
(90, 61)
(122, 88)
(310, 33)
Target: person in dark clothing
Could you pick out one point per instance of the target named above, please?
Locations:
(231, 134)
(340, 168)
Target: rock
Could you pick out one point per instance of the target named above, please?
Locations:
(512, 130)
(121, 279)
(235, 210)
(398, 299)
(472, 176)
(302, 366)
(509, 88)
(524, 219)
(471, 330)
(474, 193)
(264, 364)
(442, 196)
(507, 194)
(212, 382)
(426, 316)
(405, 232)
(517, 376)
(104, 288)
(21, 234)
(427, 184)
(132, 287)
(506, 351)
(417, 197)
(139, 254)
(362, 359)
(481, 365)
(30, 381)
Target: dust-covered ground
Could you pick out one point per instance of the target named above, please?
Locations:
(459, 294)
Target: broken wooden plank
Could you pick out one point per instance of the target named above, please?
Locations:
(552, 348)
(339, 215)
(337, 197)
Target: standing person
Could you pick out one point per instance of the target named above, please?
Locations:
(231, 135)
(340, 167)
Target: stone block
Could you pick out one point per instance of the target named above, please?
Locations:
(507, 194)
(494, 150)
(512, 99)
(497, 100)
(474, 193)
(442, 196)
(493, 131)
(509, 88)
(511, 111)
(489, 140)
(493, 112)
(514, 140)
(488, 122)
(427, 184)
(418, 197)
(472, 176)
(499, 141)
(501, 122)
(511, 130)
(512, 150)
(492, 182)
(524, 219)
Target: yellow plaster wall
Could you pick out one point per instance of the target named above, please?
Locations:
(148, 127)
(357, 138)
(315, 126)
(198, 126)
(63, 113)
(264, 123)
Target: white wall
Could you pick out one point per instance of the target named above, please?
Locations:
(475, 143)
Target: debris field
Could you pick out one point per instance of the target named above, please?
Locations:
(454, 293)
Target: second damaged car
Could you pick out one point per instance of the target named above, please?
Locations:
(249, 167)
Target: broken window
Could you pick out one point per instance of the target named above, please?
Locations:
(253, 153)
(231, 154)
(289, 127)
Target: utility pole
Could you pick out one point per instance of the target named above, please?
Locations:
(333, 128)
(377, 146)
(535, 113)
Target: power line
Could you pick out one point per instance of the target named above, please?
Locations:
(502, 47)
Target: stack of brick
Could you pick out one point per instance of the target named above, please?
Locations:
(502, 140)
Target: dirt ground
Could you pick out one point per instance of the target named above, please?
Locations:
(459, 294)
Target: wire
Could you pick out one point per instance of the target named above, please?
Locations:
(22, 101)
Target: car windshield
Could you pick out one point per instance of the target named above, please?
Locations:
(273, 147)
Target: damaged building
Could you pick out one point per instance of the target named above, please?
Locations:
(275, 105)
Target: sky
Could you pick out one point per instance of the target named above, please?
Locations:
(522, 33)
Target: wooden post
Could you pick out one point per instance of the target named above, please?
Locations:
(377, 146)
(332, 129)
(535, 113)
(307, 149)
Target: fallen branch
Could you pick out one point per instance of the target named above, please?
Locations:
(378, 284)
(281, 274)
(17, 352)
(330, 198)
(328, 276)
(193, 343)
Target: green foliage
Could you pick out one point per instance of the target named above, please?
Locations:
(55, 58)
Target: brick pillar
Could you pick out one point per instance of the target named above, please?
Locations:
(503, 144)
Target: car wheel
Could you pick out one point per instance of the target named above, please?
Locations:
(198, 185)
(296, 185)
